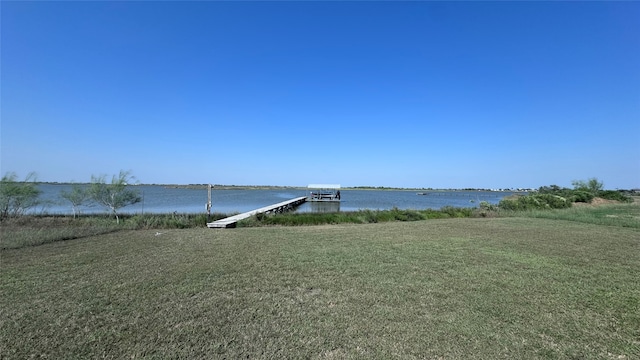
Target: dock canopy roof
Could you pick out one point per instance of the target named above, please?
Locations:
(324, 186)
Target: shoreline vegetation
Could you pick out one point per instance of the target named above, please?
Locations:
(33, 230)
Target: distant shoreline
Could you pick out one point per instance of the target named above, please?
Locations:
(275, 187)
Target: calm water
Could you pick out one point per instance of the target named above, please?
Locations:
(160, 199)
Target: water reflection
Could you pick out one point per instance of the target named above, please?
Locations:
(324, 206)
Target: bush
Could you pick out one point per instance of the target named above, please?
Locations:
(484, 205)
(486, 209)
(405, 215)
(508, 204)
(581, 196)
(535, 202)
(583, 191)
(455, 212)
(519, 203)
(615, 195)
(553, 201)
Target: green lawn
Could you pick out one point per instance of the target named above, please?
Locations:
(627, 215)
(436, 289)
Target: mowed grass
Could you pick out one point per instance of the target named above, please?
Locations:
(615, 214)
(449, 288)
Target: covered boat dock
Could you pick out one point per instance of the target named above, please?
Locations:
(324, 192)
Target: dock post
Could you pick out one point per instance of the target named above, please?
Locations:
(209, 204)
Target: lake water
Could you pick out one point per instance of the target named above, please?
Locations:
(161, 199)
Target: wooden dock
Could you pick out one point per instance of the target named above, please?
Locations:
(230, 222)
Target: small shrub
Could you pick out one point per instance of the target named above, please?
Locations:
(486, 209)
(457, 212)
(433, 214)
(552, 201)
(535, 201)
(581, 196)
(519, 203)
(508, 204)
(410, 215)
(615, 195)
(484, 205)
(369, 216)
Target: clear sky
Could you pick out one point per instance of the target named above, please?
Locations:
(399, 94)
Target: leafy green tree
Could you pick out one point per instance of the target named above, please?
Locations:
(16, 197)
(592, 185)
(78, 196)
(115, 195)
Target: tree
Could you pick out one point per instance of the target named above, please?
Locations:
(16, 197)
(78, 196)
(115, 195)
(592, 185)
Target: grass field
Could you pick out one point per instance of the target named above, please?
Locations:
(436, 289)
(615, 214)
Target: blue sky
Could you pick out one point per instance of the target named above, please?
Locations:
(401, 94)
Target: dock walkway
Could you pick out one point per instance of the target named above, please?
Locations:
(231, 221)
